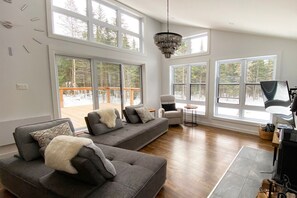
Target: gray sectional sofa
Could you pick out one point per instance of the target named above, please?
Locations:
(138, 174)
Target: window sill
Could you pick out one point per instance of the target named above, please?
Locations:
(240, 121)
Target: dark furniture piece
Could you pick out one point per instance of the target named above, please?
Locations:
(138, 174)
(286, 163)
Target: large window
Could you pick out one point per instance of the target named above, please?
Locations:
(97, 21)
(188, 85)
(196, 44)
(86, 84)
(238, 93)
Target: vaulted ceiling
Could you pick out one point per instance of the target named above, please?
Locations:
(265, 17)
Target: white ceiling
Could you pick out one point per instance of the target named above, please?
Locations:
(266, 17)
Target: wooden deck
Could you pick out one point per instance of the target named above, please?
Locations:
(77, 113)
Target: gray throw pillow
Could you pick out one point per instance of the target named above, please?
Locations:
(97, 157)
(144, 114)
(98, 127)
(87, 171)
(132, 114)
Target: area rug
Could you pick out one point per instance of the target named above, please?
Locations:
(245, 174)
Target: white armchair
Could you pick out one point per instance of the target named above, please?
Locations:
(169, 111)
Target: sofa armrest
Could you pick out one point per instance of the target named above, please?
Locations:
(180, 110)
(161, 113)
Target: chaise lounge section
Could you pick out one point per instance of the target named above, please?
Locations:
(132, 135)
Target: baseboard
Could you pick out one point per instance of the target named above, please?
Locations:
(241, 130)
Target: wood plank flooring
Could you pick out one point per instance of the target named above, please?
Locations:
(197, 157)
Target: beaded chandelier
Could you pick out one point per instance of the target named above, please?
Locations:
(168, 42)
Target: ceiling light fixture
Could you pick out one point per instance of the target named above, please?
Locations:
(168, 42)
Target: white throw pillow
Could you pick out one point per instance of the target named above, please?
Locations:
(108, 117)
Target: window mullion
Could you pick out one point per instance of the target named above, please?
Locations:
(90, 21)
(95, 84)
(242, 88)
(188, 82)
(120, 38)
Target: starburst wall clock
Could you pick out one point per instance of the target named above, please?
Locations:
(14, 24)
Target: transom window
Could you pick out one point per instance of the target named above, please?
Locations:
(97, 21)
(188, 85)
(197, 44)
(238, 93)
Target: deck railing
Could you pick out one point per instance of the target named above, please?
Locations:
(131, 90)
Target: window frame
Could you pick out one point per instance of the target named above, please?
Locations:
(94, 80)
(241, 106)
(90, 41)
(188, 84)
(201, 34)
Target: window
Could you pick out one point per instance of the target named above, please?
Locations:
(197, 44)
(86, 84)
(238, 92)
(189, 85)
(99, 22)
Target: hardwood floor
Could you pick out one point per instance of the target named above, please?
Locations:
(197, 157)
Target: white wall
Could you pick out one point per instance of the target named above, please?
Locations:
(229, 45)
(34, 68)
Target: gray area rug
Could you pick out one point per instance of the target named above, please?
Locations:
(245, 174)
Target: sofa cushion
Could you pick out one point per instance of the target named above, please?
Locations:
(144, 114)
(169, 107)
(28, 147)
(173, 114)
(132, 114)
(44, 137)
(133, 136)
(64, 186)
(126, 116)
(87, 172)
(98, 127)
(96, 156)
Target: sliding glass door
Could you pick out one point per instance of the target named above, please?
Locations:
(75, 88)
(109, 85)
(86, 85)
(132, 85)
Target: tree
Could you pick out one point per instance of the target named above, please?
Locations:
(71, 26)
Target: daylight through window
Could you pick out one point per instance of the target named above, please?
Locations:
(188, 85)
(238, 92)
(100, 22)
(197, 44)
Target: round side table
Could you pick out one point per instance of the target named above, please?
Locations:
(192, 110)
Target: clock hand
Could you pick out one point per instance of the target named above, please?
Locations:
(8, 1)
(6, 24)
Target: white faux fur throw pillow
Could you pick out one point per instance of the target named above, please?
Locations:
(61, 150)
(108, 117)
